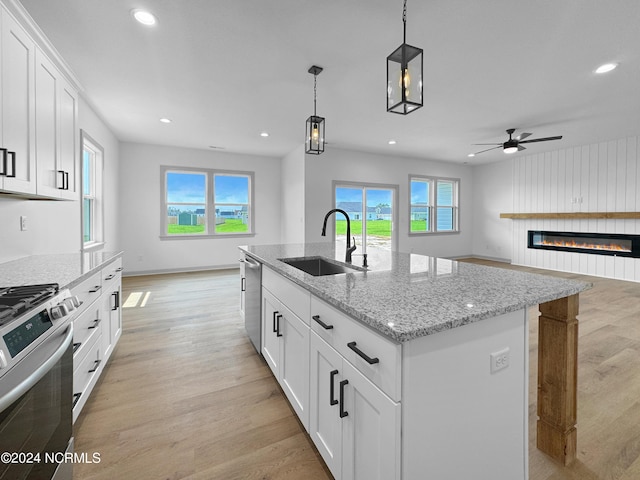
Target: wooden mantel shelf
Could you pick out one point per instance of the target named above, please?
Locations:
(573, 215)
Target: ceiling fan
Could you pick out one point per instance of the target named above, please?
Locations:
(513, 144)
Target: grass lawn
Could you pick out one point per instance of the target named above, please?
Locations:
(229, 226)
(375, 228)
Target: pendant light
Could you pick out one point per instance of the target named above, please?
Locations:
(314, 143)
(404, 75)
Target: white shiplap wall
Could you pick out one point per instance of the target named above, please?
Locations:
(603, 177)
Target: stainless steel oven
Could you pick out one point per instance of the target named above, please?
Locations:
(36, 377)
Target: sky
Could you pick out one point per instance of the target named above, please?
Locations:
(191, 188)
(374, 197)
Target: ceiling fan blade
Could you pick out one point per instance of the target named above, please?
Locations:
(520, 147)
(486, 144)
(522, 136)
(482, 151)
(546, 139)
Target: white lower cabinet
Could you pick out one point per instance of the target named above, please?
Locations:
(285, 347)
(97, 328)
(354, 425)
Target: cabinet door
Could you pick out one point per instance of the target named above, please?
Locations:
(371, 431)
(17, 107)
(294, 362)
(325, 424)
(68, 139)
(242, 285)
(105, 313)
(270, 340)
(49, 179)
(115, 317)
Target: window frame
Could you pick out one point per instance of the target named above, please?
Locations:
(96, 195)
(210, 215)
(432, 204)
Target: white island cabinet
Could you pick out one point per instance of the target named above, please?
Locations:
(417, 368)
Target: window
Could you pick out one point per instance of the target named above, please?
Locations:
(92, 218)
(371, 209)
(433, 205)
(205, 202)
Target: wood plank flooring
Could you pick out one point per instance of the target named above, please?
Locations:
(185, 396)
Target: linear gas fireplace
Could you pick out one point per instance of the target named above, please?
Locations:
(621, 245)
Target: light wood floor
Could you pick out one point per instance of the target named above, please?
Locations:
(185, 396)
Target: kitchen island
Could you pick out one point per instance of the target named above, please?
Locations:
(417, 367)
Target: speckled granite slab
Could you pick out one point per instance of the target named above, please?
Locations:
(406, 296)
(67, 270)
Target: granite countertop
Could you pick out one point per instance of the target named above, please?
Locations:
(406, 296)
(66, 269)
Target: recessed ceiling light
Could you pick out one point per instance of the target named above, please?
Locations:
(392, 142)
(607, 67)
(144, 17)
(264, 134)
(471, 155)
(165, 120)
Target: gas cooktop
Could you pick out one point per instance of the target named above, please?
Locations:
(14, 301)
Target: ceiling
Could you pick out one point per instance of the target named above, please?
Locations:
(225, 71)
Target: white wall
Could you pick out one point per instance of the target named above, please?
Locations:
(292, 199)
(492, 195)
(347, 165)
(139, 213)
(55, 226)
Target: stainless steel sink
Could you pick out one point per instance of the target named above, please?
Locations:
(318, 266)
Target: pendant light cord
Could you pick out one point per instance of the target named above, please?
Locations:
(315, 81)
(404, 22)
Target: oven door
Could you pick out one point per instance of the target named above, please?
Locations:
(35, 411)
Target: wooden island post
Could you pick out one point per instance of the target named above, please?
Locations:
(557, 378)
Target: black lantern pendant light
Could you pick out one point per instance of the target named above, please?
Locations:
(315, 125)
(404, 75)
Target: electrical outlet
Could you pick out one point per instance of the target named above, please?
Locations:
(23, 223)
(499, 360)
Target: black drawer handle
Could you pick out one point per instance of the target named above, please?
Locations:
(96, 322)
(243, 284)
(274, 321)
(116, 300)
(110, 276)
(278, 317)
(343, 413)
(119, 269)
(76, 397)
(95, 289)
(322, 324)
(3, 173)
(13, 165)
(76, 346)
(367, 358)
(332, 400)
(96, 364)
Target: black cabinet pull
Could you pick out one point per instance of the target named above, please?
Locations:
(332, 400)
(116, 301)
(343, 413)
(76, 346)
(109, 277)
(96, 364)
(3, 173)
(243, 284)
(95, 289)
(278, 317)
(13, 165)
(274, 320)
(322, 324)
(76, 397)
(61, 172)
(119, 269)
(96, 322)
(367, 358)
(66, 178)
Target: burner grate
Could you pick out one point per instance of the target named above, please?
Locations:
(15, 301)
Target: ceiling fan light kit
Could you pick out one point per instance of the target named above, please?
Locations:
(314, 142)
(404, 75)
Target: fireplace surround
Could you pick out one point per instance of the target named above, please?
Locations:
(615, 244)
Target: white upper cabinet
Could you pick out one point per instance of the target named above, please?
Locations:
(56, 145)
(17, 126)
(39, 154)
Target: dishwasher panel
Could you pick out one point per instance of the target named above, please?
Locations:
(253, 300)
